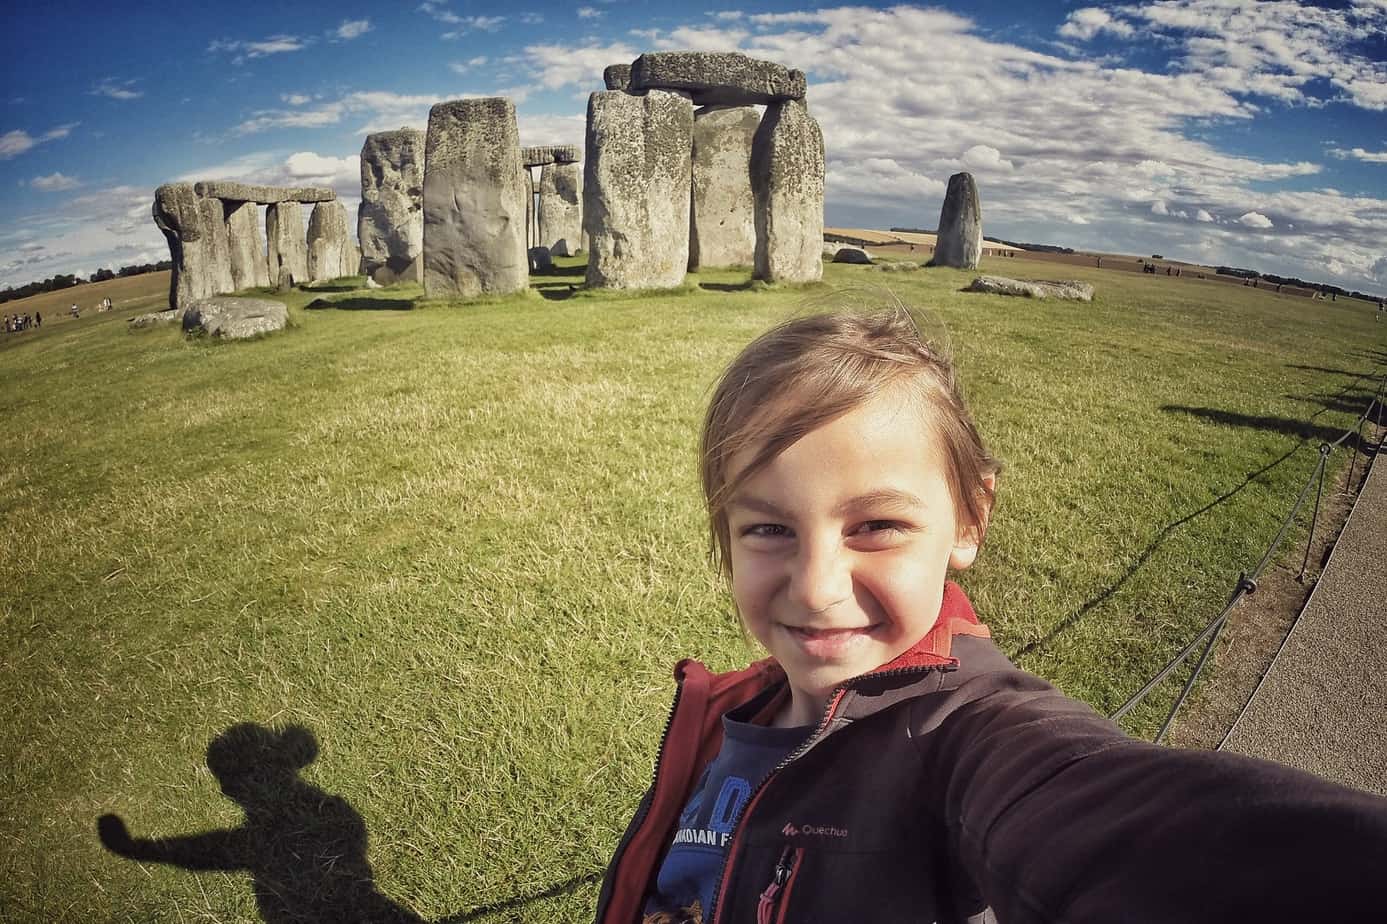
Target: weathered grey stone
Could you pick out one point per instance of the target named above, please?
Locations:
(390, 220)
(199, 253)
(248, 267)
(234, 318)
(218, 244)
(636, 182)
(264, 195)
(542, 155)
(329, 245)
(474, 201)
(898, 266)
(617, 76)
(722, 229)
(541, 260)
(852, 255)
(959, 241)
(717, 78)
(286, 280)
(1033, 288)
(351, 259)
(787, 177)
(561, 208)
(527, 180)
(155, 318)
(288, 243)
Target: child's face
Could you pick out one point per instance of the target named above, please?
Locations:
(840, 547)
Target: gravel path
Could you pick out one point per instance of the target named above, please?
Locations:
(1323, 704)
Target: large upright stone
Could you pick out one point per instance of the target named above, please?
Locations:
(218, 245)
(561, 208)
(531, 218)
(390, 220)
(959, 242)
(474, 200)
(329, 250)
(636, 181)
(243, 237)
(723, 218)
(288, 244)
(180, 216)
(787, 176)
(717, 78)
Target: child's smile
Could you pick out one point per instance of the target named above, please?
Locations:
(840, 547)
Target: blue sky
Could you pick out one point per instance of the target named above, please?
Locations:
(1252, 134)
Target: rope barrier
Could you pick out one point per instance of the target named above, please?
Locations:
(1247, 584)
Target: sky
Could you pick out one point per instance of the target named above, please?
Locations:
(1237, 133)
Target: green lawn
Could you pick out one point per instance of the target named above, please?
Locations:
(461, 546)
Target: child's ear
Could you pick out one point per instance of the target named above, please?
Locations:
(965, 550)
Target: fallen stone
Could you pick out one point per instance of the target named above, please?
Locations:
(787, 177)
(717, 78)
(155, 318)
(1070, 289)
(329, 246)
(617, 76)
(234, 318)
(852, 255)
(264, 195)
(561, 208)
(722, 229)
(474, 200)
(541, 260)
(636, 182)
(248, 266)
(898, 266)
(549, 154)
(179, 214)
(390, 219)
(959, 241)
(288, 243)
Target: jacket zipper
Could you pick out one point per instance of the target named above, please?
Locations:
(711, 915)
(777, 894)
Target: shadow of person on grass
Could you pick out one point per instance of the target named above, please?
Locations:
(304, 848)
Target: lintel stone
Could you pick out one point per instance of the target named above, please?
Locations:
(265, 195)
(717, 78)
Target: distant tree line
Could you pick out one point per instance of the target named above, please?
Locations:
(1324, 288)
(67, 280)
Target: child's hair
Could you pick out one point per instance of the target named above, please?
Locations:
(809, 371)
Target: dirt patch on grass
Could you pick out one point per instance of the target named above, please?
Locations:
(1258, 624)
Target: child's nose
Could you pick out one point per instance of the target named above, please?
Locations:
(821, 577)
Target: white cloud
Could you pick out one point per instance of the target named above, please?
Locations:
(561, 65)
(1368, 157)
(116, 89)
(1202, 215)
(54, 182)
(985, 157)
(588, 12)
(296, 99)
(1159, 208)
(14, 143)
(1255, 220)
(243, 51)
(463, 24)
(1084, 24)
(531, 19)
(1076, 219)
(352, 28)
(465, 67)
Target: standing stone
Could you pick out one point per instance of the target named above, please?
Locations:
(723, 215)
(531, 219)
(328, 250)
(474, 200)
(178, 214)
(561, 208)
(390, 220)
(636, 186)
(218, 246)
(248, 268)
(787, 176)
(288, 245)
(959, 242)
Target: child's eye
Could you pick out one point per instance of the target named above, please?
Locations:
(879, 526)
(766, 530)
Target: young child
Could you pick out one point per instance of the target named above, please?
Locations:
(886, 763)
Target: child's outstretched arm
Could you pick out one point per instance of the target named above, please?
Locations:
(1060, 817)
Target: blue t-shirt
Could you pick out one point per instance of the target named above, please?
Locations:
(690, 871)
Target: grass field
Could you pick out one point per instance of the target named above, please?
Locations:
(458, 549)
